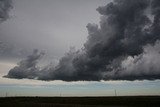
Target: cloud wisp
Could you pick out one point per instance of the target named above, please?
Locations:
(125, 46)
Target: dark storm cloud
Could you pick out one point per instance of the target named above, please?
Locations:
(140, 67)
(5, 6)
(26, 68)
(118, 49)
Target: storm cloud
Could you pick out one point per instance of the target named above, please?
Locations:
(5, 6)
(27, 68)
(125, 46)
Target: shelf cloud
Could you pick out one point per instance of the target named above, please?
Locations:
(125, 46)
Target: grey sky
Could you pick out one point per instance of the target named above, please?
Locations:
(50, 25)
(54, 26)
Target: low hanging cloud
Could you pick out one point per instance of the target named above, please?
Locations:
(27, 68)
(125, 46)
(143, 66)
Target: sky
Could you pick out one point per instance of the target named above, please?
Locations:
(50, 25)
(69, 48)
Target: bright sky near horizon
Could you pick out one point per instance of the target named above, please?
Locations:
(27, 87)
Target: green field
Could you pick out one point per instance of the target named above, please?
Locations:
(119, 101)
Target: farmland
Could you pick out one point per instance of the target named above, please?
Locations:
(117, 101)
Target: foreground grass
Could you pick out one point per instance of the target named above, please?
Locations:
(120, 101)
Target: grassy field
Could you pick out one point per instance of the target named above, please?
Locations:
(119, 101)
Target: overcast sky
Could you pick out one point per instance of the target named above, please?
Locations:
(50, 25)
(54, 26)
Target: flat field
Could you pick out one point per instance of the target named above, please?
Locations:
(118, 101)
